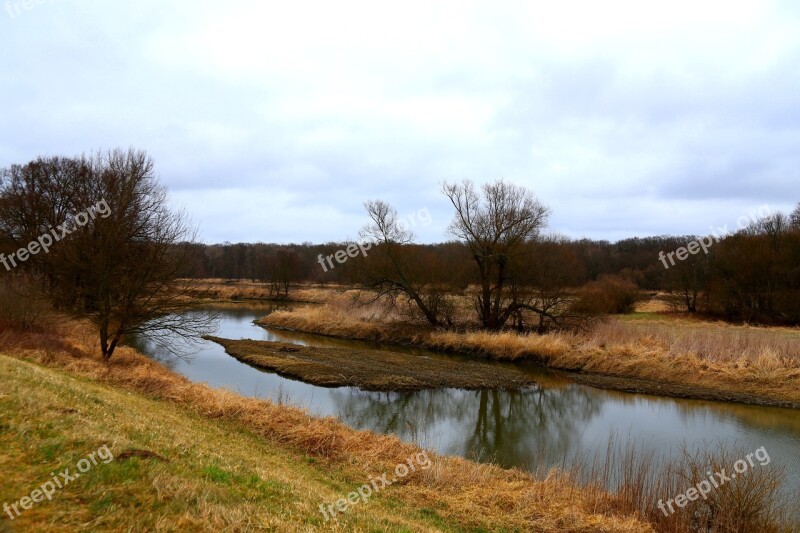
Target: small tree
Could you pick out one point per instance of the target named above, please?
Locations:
(281, 268)
(400, 271)
(687, 281)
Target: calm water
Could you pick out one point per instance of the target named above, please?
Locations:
(543, 426)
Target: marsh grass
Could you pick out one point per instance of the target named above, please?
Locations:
(217, 289)
(639, 480)
(710, 341)
(756, 365)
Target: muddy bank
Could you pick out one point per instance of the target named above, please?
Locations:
(372, 370)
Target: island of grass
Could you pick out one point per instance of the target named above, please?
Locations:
(372, 370)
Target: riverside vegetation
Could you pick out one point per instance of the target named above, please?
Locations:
(658, 354)
(59, 398)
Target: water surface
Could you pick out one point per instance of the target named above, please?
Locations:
(545, 426)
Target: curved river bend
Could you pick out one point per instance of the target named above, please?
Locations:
(544, 426)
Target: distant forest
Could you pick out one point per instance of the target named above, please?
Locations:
(634, 259)
(753, 275)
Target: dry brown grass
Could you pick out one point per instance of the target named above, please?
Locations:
(740, 363)
(716, 342)
(750, 502)
(339, 320)
(469, 494)
(221, 290)
(653, 304)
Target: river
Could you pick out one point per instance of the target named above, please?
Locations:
(548, 425)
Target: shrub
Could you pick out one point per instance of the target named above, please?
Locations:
(607, 295)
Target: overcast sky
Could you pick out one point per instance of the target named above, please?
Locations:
(275, 121)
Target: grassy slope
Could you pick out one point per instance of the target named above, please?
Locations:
(216, 475)
(235, 463)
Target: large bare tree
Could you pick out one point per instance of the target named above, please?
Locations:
(119, 266)
(542, 286)
(496, 224)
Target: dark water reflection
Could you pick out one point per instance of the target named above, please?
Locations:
(540, 427)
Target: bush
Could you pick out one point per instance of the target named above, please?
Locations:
(607, 295)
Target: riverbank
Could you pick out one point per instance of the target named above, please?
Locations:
(371, 370)
(660, 356)
(192, 457)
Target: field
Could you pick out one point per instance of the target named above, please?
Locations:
(221, 290)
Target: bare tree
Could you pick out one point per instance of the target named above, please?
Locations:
(398, 271)
(119, 266)
(795, 217)
(687, 282)
(495, 226)
(542, 286)
(281, 272)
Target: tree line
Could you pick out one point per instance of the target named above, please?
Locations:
(634, 259)
(127, 270)
(527, 277)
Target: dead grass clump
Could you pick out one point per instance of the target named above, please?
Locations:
(752, 501)
(503, 346)
(341, 321)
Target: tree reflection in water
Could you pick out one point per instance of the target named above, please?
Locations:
(526, 429)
